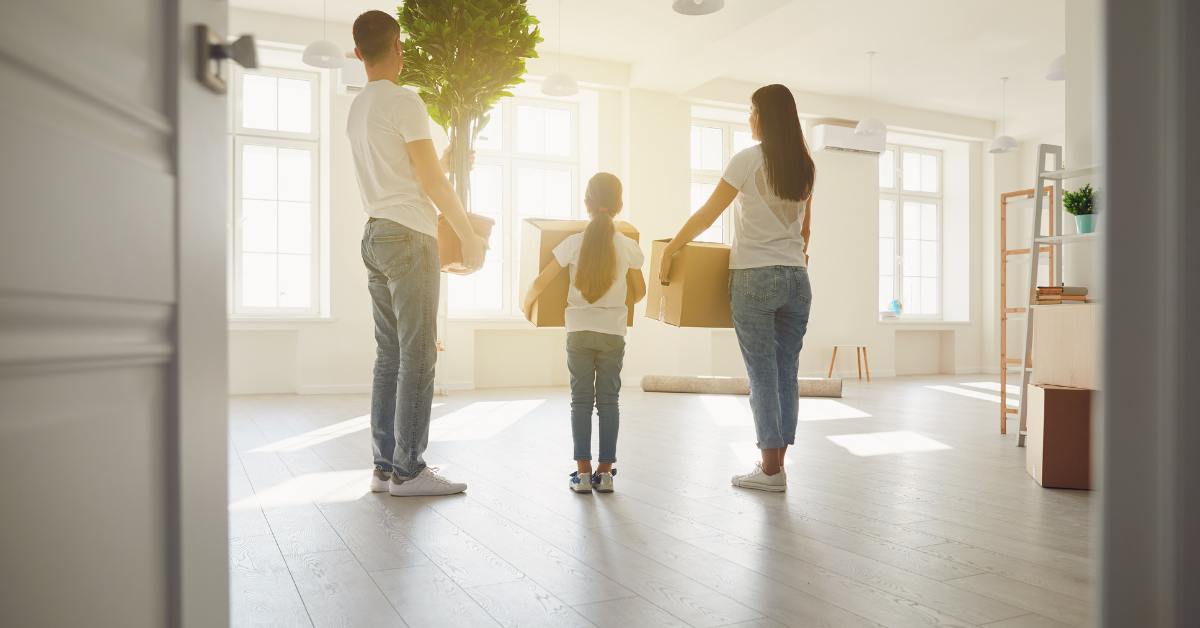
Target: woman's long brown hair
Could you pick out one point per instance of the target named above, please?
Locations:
(789, 167)
(597, 268)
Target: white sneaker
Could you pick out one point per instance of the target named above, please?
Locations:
(758, 479)
(427, 482)
(380, 481)
(580, 483)
(603, 482)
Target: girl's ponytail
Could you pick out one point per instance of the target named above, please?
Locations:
(597, 268)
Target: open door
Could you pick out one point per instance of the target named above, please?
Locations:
(112, 317)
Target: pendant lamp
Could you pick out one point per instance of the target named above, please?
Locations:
(698, 7)
(324, 53)
(1057, 70)
(871, 127)
(560, 83)
(1005, 143)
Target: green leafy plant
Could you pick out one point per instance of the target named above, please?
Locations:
(1081, 202)
(464, 56)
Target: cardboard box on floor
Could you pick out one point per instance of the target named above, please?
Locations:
(538, 239)
(698, 292)
(1064, 346)
(1058, 439)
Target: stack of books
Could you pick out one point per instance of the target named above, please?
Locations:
(1061, 295)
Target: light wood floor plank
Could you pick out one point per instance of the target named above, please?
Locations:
(627, 612)
(524, 604)
(426, 597)
(1049, 604)
(261, 590)
(338, 592)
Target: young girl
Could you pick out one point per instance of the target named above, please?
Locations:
(770, 186)
(602, 263)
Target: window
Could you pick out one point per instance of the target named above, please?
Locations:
(713, 143)
(526, 166)
(910, 202)
(276, 164)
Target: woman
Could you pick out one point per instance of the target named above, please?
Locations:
(770, 186)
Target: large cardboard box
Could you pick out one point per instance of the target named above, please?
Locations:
(538, 239)
(1058, 439)
(1064, 346)
(450, 247)
(698, 292)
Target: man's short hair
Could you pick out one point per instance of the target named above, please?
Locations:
(375, 32)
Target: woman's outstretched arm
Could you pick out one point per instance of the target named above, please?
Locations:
(535, 289)
(704, 218)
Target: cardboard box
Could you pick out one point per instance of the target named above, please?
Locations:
(1064, 346)
(450, 247)
(538, 239)
(1058, 438)
(698, 292)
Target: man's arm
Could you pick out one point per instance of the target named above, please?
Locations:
(438, 188)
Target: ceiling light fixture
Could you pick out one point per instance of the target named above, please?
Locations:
(1005, 143)
(324, 53)
(1057, 70)
(560, 83)
(872, 126)
(698, 7)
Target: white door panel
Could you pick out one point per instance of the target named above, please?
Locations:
(103, 456)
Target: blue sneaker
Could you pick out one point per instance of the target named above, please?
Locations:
(603, 482)
(578, 485)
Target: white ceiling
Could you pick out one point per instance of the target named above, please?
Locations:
(940, 55)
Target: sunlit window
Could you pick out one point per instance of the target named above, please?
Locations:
(526, 166)
(712, 145)
(910, 244)
(276, 156)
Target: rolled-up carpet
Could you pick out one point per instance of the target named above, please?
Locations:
(711, 385)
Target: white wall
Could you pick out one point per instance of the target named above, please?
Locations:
(644, 138)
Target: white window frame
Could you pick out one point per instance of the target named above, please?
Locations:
(712, 177)
(511, 160)
(897, 194)
(316, 140)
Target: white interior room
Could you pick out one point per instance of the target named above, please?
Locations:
(193, 349)
(663, 103)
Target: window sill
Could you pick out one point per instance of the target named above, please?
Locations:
(243, 323)
(918, 323)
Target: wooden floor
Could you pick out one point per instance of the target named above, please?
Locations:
(905, 507)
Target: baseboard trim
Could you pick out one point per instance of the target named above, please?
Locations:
(990, 370)
(334, 389)
(461, 385)
(967, 370)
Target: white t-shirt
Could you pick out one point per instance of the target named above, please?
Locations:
(384, 118)
(766, 228)
(609, 313)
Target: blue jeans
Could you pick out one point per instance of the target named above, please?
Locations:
(403, 277)
(770, 314)
(594, 360)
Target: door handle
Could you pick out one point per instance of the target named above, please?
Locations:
(212, 49)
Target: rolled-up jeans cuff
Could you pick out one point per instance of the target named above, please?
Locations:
(608, 461)
(771, 444)
(583, 457)
(383, 468)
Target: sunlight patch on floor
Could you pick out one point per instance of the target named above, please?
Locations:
(480, 420)
(317, 436)
(827, 409)
(881, 443)
(322, 488)
(728, 409)
(1010, 389)
(976, 394)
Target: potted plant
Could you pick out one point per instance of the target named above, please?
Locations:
(1082, 205)
(463, 56)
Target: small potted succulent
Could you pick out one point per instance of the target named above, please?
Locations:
(1082, 205)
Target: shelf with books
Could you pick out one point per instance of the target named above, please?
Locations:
(1067, 238)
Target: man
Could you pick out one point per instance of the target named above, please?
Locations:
(401, 179)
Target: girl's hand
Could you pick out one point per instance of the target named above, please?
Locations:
(664, 266)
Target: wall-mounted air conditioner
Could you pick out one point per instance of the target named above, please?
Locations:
(841, 139)
(352, 77)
